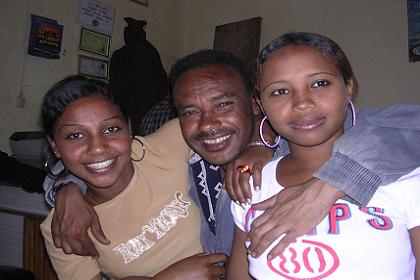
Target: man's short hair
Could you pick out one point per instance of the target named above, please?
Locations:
(208, 57)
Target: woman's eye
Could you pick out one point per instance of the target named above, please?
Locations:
(112, 129)
(74, 136)
(321, 83)
(281, 91)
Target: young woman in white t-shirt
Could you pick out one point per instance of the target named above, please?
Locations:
(306, 84)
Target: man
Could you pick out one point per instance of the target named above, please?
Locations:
(213, 98)
(211, 92)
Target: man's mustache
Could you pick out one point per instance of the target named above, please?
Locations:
(212, 133)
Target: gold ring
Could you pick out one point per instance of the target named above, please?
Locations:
(244, 169)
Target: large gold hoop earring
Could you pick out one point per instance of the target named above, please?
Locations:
(142, 148)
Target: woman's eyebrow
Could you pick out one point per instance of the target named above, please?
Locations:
(322, 73)
(275, 82)
(310, 75)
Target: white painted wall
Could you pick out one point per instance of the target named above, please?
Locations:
(24, 79)
(373, 34)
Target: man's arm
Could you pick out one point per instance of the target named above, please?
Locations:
(52, 183)
(383, 146)
(72, 216)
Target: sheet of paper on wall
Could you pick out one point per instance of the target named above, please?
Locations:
(96, 16)
(413, 16)
(45, 37)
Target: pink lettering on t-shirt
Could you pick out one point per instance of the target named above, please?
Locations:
(379, 221)
(249, 218)
(338, 212)
(305, 260)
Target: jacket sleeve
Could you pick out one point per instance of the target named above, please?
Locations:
(52, 183)
(383, 146)
(29, 178)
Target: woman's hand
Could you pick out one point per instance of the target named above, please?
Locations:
(198, 267)
(293, 212)
(71, 220)
(237, 183)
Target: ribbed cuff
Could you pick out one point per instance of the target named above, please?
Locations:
(356, 181)
(50, 197)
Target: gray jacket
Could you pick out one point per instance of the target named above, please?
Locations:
(383, 146)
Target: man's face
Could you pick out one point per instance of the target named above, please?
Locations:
(215, 112)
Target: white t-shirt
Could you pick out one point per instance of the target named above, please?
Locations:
(351, 242)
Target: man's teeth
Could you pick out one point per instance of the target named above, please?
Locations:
(101, 165)
(217, 140)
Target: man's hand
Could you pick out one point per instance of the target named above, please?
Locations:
(293, 212)
(71, 220)
(236, 183)
(198, 267)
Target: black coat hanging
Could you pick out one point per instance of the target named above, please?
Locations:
(137, 76)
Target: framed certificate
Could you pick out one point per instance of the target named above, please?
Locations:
(93, 67)
(94, 42)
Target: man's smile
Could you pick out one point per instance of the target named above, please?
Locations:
(216, 140)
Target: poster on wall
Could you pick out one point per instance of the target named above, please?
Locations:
(96, 15)
(413, 16)
(45, 37)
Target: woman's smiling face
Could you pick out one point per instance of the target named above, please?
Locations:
(93, 140)
(304, 95)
